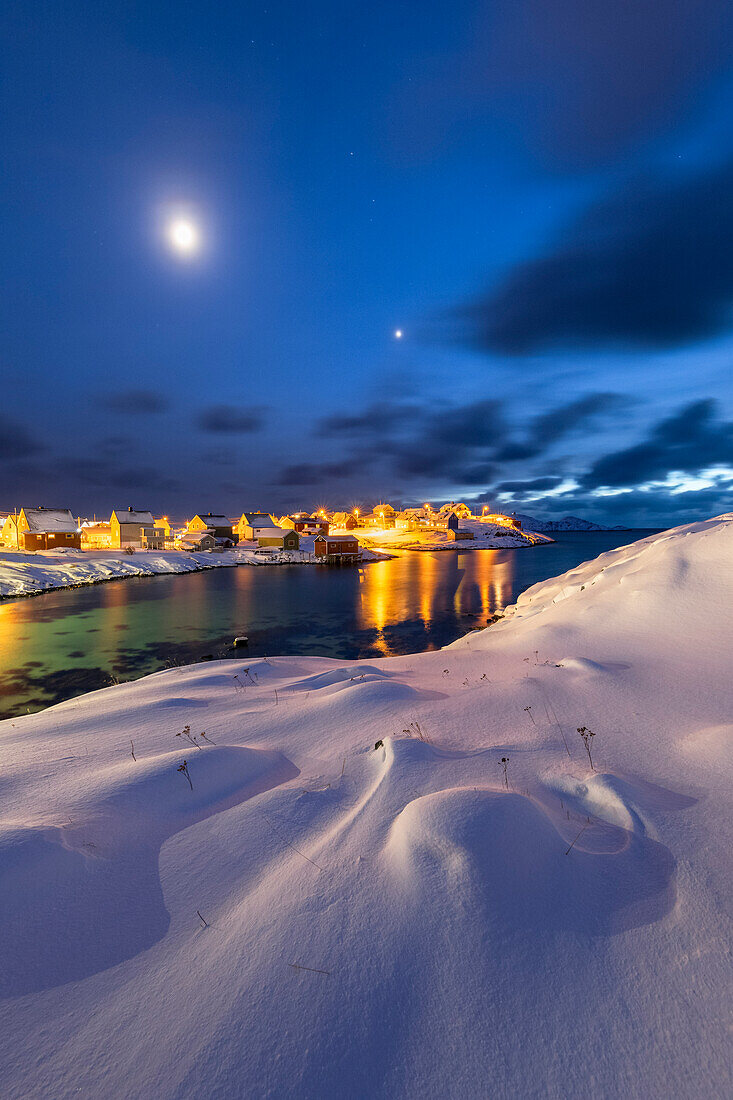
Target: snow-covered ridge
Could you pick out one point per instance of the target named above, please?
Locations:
(567, 523)
(394, 878)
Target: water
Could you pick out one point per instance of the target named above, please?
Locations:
(61, 644)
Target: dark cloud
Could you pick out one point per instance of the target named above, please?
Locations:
(553, 424)
(232, 419)
(480, 424)
(314, 473)
(650, 266)
(375, 418)
(136, 402)
(113, 473)
(534, 485)
(16, 441)
(458, 444)
(689, 441)
(589, 78)
(580, 81)
(635, 508)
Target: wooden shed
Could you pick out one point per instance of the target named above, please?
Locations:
(337, 548)
(282, 538)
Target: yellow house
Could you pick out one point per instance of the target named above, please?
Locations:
(219, 525)
(9, 534)
(281, 537)
(128, 526)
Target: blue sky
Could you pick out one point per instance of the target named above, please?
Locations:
(538, 194)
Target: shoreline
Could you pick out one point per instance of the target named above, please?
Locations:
(191, 563)
(37, 576)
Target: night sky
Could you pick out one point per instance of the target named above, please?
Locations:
(537, 193)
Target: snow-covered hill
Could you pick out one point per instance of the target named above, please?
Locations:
(567, 523)
(391, 878)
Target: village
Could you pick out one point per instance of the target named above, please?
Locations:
(328, 537)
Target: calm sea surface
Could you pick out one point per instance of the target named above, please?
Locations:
(61, 644)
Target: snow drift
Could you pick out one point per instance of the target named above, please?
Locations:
(400, 877)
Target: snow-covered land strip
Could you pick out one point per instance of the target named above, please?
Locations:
(567, 523)
(391, 878)
(485, 536)
(28, 574)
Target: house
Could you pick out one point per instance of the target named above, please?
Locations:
(415, 518)
(153, 538)
(306, 525)
(446, 521)
(343, 521)
(210, 521)
(382, 516)
(251, 523)
(282, 538)
(128, 527)
(461, 510)
(336, 548)
(95, 535)
(164, 522)
(454, 535)
(500, 519)
(197, 540)
(9, 533)
(47, 529)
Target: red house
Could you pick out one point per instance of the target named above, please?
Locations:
(47, 529)
(344, 548)
(310, 525)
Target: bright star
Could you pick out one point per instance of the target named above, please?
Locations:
(398, 333)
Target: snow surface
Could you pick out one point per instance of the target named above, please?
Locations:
(567, 523)
(391, 921)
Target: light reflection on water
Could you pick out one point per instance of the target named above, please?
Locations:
(426, 586)
(64, 643)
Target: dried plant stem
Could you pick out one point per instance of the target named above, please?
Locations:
(578, 837)
(297, 850)
(312, 969)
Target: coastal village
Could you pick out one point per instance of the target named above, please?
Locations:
(329, 537)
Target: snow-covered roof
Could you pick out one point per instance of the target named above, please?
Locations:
(125, 515)
(257, 519)
(274, 532)
(197, 534)
(43, 520)
(215, 518)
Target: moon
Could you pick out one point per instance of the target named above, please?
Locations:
(183, 237)
(398, 334)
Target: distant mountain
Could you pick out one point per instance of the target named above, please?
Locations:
(567, 523)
